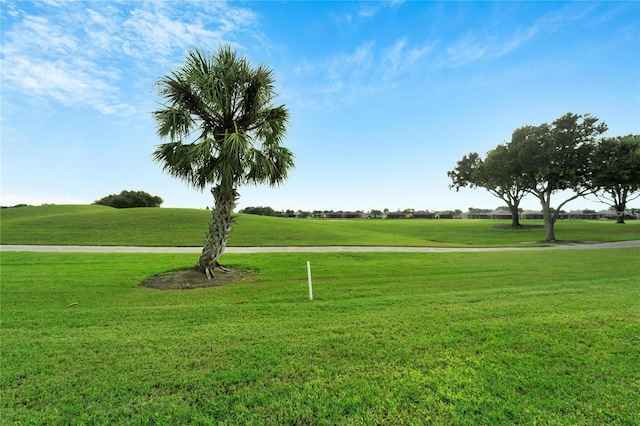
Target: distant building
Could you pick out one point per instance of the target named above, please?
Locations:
(423, 214)
(345, 215)
(475, 215)
(531, 214)
(448, 214)
(396, 215)
(500, 214)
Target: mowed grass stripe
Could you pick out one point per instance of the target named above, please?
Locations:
(100, 225)
(456, 338)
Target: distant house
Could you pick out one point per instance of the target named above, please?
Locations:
(423, 214)
(531, 214)
(612, 214)
(574, 214)
(448, 214)
(475, 215)
(500, 214)
(396, 215)
(590, 215)
(345, 215)
(353, 215)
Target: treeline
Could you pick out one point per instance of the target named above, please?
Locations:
(501, 212)
(268, 211)
(129, 199)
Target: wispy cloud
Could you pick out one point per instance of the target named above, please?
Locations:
(472, 47)
(81, 53)
(369, 10)
(400, 58)
(341, 76)
(373, 66)
(365, 70)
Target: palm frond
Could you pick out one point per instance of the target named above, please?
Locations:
(174, 123)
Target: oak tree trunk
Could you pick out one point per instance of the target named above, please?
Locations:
(219, 229)
(515, 218)
(620, 208)
(549, 222)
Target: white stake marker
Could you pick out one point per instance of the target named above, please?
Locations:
(309, 276)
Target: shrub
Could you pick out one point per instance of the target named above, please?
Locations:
(127, 199)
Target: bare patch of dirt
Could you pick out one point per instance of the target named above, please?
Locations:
(187, 279)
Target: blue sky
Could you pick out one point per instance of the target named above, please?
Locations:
(384, 97)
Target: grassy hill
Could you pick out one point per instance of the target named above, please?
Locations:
(101, 225)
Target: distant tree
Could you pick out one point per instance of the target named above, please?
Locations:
(375, 214)
(497, 173)
(476, 210)
(616, 172)
(129, 199)
(223, 132)
(554, 158)
(520, 210)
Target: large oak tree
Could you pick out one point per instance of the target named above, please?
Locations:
(556, 158)
(497, 173)
(223, 131)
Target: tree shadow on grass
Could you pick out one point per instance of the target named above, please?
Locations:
(187, 279)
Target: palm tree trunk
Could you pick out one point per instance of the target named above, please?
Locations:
(219, 229)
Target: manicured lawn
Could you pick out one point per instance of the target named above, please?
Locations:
(100, 225)
(443, 338)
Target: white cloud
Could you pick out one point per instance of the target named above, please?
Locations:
(94, 53)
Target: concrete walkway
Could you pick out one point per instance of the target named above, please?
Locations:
(324, 249)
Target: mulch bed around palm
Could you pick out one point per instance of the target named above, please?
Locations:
(187, 279)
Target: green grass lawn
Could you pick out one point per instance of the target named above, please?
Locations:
(442, 338)
(100, 225)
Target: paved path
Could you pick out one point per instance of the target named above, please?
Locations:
(230, 250)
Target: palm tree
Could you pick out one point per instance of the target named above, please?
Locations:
(223, 132)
